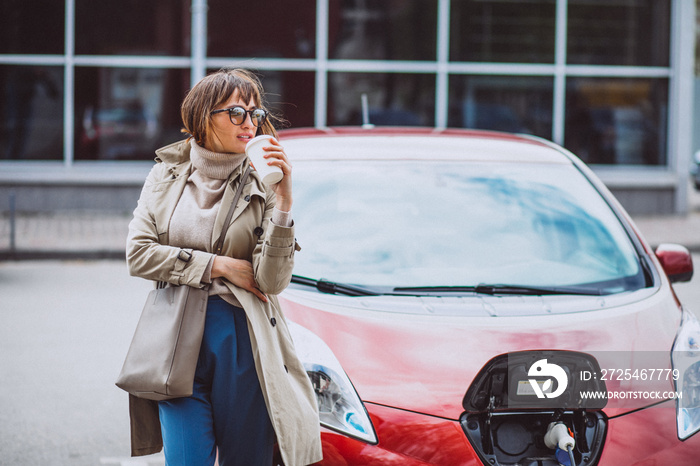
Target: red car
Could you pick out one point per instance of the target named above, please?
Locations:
(467, 298)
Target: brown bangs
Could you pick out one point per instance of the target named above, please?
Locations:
(243, 82)
(213, 91)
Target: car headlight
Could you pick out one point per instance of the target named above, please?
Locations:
(340, 408)
(686, 358)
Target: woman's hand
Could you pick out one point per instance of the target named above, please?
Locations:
(276, 156)
(237, 271)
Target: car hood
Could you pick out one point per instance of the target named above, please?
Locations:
(422, 353)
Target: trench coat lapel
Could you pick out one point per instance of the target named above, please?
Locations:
(252, 188)
(166, 197)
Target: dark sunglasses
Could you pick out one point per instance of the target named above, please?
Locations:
(238, 115)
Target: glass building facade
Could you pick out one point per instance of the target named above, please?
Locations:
(103, 81)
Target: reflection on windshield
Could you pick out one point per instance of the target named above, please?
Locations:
(411, 224)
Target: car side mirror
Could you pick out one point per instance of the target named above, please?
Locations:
(676, 262)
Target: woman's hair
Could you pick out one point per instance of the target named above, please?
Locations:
(212, 91)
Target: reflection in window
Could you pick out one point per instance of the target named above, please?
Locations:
(393, 98)
(383, 29)
(272, 29)
(629, 33)
(517, 104)
(31, 112)
(127, 113)
(132, 27)
(617, 121)
(502, 31)
(290, 94)
(32, 27)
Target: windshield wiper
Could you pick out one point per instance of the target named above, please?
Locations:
(501, 289)
(326, 286)
(536, 290)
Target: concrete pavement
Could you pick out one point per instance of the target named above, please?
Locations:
(66, 327)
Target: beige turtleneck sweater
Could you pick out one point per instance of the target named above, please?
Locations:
(192, 223)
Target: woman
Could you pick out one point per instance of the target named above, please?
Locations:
(250, 388)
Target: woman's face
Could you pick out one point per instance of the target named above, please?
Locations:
(226, 136)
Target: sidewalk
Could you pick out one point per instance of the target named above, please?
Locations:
(683, 230)
(679, 229)
(64, 235)
(97, 235)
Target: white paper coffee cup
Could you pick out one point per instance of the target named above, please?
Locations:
(254, 151)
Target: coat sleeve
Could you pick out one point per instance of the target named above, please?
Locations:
(147, 258)
(273, 257)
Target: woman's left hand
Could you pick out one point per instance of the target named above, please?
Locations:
(276, 156)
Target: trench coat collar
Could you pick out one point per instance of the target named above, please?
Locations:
(175, 155)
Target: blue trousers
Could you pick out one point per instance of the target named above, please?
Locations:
(226, 410)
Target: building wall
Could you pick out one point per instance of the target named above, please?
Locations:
(102, 83)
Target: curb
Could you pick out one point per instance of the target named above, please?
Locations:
(22, 255)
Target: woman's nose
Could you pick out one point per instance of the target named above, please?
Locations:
(248, 121)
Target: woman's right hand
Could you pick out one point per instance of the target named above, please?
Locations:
(237, 271)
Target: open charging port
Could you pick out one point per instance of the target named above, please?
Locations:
(521, 409)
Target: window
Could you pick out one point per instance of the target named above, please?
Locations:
(519, 104)
(627, 33)
(502, 31)
(273, 28)
(32, 27)
(383, 29)
(31, 112)
(291, 95)
(617, 121)
(132, 27)
(393, 98)
(127, 113)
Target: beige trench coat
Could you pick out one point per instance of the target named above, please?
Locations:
(288, 394)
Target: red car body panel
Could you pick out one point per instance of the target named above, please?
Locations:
(379, 352)
(644, 438)
(422, 440)
(638, 438)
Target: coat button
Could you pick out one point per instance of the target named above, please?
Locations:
(247, 198)
(273, 321)
(258, 231)
(285, 368)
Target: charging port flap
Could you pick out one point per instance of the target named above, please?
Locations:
(536, 380)
(524, 408)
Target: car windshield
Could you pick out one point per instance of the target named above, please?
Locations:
(415, 224)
